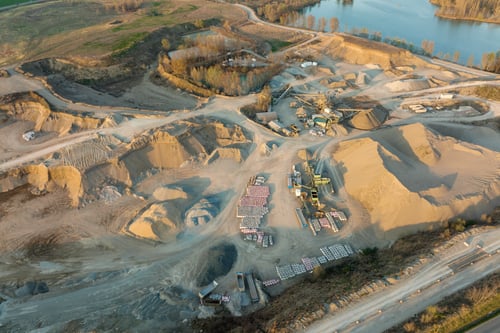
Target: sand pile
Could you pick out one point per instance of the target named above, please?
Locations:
(32, 107)
(408, 85)
(409, 176)
(156, 222)
(169, 193)
(369, 119)
(45, 179)
(202, 212)
(188, 142)
(360, 51)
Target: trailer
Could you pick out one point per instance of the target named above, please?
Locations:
(300, 217)
(254, 296)
(240, 278)
(208, 289)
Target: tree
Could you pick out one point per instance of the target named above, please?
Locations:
(264, 99)
(334, 24)
(470, 61)
(165, 44)
(199, 23)
(179, 66)
(428, 46)
(310, 21)
(322, 24)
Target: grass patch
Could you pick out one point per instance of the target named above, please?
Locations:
(277, 44)
(155, 18)
(4, 3)
(128, 41)
(145, 22)
(184, 9)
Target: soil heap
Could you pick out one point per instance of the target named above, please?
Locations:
(410, 176)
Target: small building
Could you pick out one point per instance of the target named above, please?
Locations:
(266, 117)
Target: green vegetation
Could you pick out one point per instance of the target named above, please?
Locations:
(4, 3)
(128, 41)
(277, 44)
(477, 10)
(156, 17)
(184, 9)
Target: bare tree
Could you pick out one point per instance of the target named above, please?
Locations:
(165, 44)
(322, 24)
(310, 21)
(334, 24)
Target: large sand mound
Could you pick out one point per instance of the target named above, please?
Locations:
(32, 107)
(410, 176)
(156, 222)
(356, 50)
(369, 119)
(183, 143)
(408, 85)
(45, 179)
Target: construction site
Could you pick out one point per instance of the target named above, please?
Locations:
(144, 195)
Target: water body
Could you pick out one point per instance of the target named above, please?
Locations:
(413, 21)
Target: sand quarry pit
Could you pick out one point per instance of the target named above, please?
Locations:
(110, 176)
(423, 170)
(141, 210)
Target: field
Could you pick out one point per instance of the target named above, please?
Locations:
(4, 3)
(91, 29)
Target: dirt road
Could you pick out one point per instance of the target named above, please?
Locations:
(390, 306)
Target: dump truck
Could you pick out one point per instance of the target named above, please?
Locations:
(240, 278)
(254, 296)
(208, 289)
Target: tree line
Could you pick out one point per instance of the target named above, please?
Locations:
(481, 10)
(200, 61)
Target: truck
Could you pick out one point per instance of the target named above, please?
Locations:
(208, 289)
(254, 296)
(240, 278)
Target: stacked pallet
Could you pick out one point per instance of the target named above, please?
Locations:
(252, 206)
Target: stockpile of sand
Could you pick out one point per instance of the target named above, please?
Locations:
(409, 176)
(173, 147)
(361, 51)
(201, 213)
(156, 222)
(32, 107)
(408, 85)
(169, 193)
(45, 179)
(369, 119)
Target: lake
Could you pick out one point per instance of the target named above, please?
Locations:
(413, 21)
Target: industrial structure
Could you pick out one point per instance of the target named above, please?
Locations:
(312, 213)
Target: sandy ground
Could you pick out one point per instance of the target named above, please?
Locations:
(104, 279)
